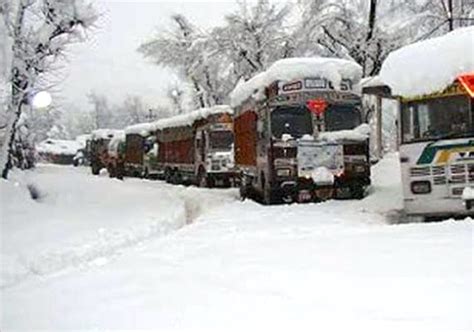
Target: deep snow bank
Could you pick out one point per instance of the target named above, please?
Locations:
(246, 267)
(80, 219)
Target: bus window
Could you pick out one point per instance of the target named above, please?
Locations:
(436, 118)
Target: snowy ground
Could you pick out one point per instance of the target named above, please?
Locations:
(108, 259)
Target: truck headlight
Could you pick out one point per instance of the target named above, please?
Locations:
(283, 172)
(359, 169)
(421, 187)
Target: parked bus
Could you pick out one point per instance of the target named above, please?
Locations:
(436, 123)
(299, 132)
(196, 147)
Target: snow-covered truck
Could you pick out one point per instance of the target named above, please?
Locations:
(433, 81)
(115, 159)
(98, 148)
(196, 147)
(299, 132)
(136, 146)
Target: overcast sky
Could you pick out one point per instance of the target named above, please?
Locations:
(108, 62)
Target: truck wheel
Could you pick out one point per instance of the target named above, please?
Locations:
(357, 191)
(146, 174)
(202, 180)
(168, 175)
(95, 169)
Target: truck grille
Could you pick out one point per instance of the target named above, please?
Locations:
(441, 175)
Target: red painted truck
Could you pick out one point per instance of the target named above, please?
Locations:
(197, 147)
(299, 132)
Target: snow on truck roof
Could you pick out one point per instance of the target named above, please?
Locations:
(177, 121)
(431, 65)
(332, 69)
(105, 133)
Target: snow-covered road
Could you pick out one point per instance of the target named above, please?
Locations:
(238, 266)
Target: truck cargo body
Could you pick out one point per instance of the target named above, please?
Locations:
(134, 151)
(197, 153)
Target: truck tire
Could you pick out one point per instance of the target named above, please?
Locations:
(202, 179)
(95, 169)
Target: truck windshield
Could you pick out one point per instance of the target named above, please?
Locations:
(338, 117)
(221, 139)
(436, 118)
(292, 120)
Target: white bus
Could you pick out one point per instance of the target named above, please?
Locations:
(434, 83)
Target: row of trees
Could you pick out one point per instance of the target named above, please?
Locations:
(253, 36)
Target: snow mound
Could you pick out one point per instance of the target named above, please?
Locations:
(332, 69)
(104, 133)
(322, 176)
(58, 147)
(360, 133)
(430, 65)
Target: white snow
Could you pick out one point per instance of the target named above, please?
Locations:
(468, 194)
(322, 176)
(240, 266)
(189, 118)
(82, 140)
(142, 129)
(360, 133)
(58, 147)
(431, 65)
(79, 218)
(104, 133)
(186, 119)
(332, 69)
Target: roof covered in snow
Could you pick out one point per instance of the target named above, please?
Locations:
(430, 65)
(189, 118)
(186, 119)
(143, 129)
(104, 133)
(332, 69)
(58, 147)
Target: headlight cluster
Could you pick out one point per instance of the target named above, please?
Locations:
(421, 187)
(283, 172)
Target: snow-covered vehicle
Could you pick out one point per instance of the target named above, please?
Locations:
(57, 151)
(197, 147)
(98, 148)
(82, 155)
(137, 138)
(115, 158)
(434, 83)
(299, 132)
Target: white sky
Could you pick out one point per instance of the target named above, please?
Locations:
(108, 62)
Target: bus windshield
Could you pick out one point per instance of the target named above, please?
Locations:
(341, 117)
(291, 120)
(221, 139)
(437, 118)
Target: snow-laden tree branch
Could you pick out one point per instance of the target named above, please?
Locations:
(39, 31)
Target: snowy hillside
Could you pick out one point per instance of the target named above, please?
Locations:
(239, 266)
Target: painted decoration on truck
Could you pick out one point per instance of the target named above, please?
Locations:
(443, 154)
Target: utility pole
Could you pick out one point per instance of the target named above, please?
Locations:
(450, 15)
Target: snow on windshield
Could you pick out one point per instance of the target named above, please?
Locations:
(430, 65)
(289, 69)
